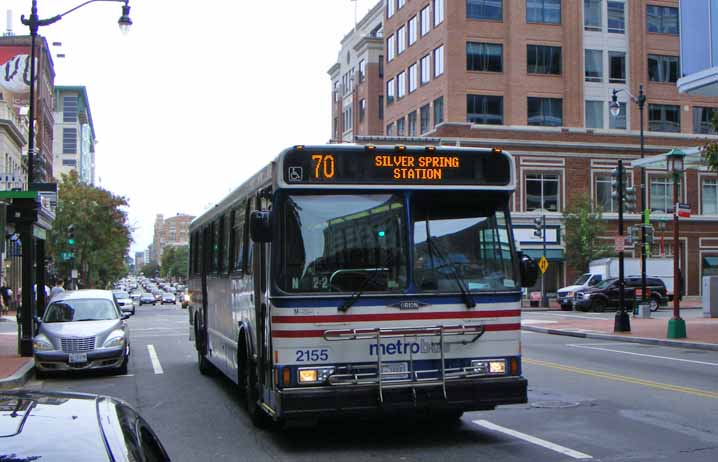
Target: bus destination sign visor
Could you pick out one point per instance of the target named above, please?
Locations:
(387, 167)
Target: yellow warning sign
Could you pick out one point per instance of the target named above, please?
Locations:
(543, 264)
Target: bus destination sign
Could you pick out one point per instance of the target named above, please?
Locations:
(460, 167)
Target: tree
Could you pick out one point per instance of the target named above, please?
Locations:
(710, 150)
(150, 269)
(101, 237)
(175, 262)
(584, 225)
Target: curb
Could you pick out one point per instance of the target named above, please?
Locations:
(618, 338)
(20, 376)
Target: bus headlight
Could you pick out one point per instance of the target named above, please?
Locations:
(490, 367)
(314, 375)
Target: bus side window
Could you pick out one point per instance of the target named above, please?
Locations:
(238, 239)
(220, 245)
(247, 247)
(232, 242)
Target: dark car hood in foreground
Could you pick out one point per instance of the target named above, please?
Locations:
(50, 426)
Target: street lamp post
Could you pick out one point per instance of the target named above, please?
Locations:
(615, 108)
(676, 325)
(27, 312)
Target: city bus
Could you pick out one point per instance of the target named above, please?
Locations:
(363, 280)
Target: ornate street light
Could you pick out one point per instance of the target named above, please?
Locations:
(674, 165)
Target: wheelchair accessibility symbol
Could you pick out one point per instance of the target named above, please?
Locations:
(296, 174)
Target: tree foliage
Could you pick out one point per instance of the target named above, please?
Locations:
(175, 262)
(102, 233)
(150, 269)
(584, 225)
(710, 150)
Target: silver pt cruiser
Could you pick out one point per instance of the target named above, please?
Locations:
(82, 330)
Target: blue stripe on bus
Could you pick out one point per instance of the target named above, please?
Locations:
(320, 302)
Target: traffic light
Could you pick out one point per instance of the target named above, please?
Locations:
(539, 225)
(629, 199)
(71, 235)
(614, 184)
(634, 234)
(650, 234)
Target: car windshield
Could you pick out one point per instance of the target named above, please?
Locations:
(343, 242)
(582, 280)
(121, 294)
(80, 310)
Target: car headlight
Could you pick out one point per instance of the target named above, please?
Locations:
(314, 375)
(115, 339)
(570, 294)
(42, 343)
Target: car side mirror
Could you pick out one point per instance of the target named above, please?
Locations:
(529, 270)
(260, 226)
(125, 317)
(37, 319)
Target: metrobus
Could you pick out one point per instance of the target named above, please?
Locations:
(350, 279)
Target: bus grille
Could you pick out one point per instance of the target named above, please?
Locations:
(78, 345)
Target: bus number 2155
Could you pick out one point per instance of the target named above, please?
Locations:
(312, 355)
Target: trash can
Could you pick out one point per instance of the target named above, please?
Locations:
(710, 296)
(643, 311)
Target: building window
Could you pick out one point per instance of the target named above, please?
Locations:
(381, 108)
(661, 199)
(362, 109)
(425, 65)
(362, 70)
(390, 48)
(604, 196)
(401, 85)
(412, 123)
(438, 12)
(69, 162)
(616, 17)
(439, 61)
(543, 11)
(485, 9)
(347, 118)
(69, 108)
(541, 59)
(619, 121)
(594, 114)
(390, 8)
(69, 140)
(486, 57)
(401, 3)
(593, 64)
(483, 109)
(412, 31)
(401, 40)
(438, 110)
(425, 20)
(381, 66)
(546, 112)
(413, 77)
(662, 19)
(663, 69)
(424, 115)
(616, 67)
(703, 118)
(709, 197)
(390, 129)
(542, 192)
(592, 17)
(390, 91)
(400, 127)
(664, 118)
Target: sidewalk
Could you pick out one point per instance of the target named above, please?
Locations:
(702, 333)
(14, 369)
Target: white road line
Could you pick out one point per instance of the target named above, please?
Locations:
(135, 329)
(577, 345)
(532, 439)
(155, 360)
(575, 316)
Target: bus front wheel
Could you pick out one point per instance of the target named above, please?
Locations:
(251, 394)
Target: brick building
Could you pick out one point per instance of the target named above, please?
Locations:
(173, 231)
(535, 77)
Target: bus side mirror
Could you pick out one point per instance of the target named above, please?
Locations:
(529, 270)
(260, 227)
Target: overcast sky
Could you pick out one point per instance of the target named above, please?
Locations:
(200, 94)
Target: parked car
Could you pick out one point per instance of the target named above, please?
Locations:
(147, 298)
(606, 294)
(124, 301)
(51, 426)
(169, 298)
(82, 330)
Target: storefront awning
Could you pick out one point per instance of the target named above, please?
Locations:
(551, 254)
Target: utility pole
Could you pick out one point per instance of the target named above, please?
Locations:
(540, 231)
(621, 322)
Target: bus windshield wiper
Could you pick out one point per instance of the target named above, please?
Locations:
(346, 304)
(465, 292)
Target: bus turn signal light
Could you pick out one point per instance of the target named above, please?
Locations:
(286, 376)
(514, 366)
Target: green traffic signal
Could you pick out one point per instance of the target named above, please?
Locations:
(71, 241)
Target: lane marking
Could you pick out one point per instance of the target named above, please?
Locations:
(155, 328)
(576, 316)
(578, 345)
(155, 360)
(537, 321)
(532, 439)
(626, 379)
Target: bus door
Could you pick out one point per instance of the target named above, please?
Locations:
(260, 267)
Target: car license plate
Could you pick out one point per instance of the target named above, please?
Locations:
(395, 371)
(76, 358)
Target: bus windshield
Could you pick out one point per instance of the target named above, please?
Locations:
(343, 243)
(460, 244)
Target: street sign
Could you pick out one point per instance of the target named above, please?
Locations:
(543, 264)
(620, 243)
(65, 256)
(73, 274)
(683, 210)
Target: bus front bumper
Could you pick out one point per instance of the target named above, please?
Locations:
(461, 395)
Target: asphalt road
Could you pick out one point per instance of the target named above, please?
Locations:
(587, 400)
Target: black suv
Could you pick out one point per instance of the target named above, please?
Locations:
(606, 294)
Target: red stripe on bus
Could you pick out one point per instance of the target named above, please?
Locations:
(396, 316)
(320, 333)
